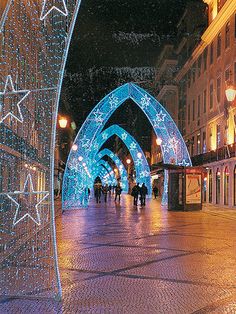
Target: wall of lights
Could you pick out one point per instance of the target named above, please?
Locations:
(35, 37)
(173, 147)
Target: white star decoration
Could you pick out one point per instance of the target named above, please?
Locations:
(133, 146)
(124, 136)
(145, 102)
(10, 92)
(113, 101)
(98, 116)
(48, 6)
(85, 142)
(160, 117)
(74, 165)
(28, 202)
(166, 148)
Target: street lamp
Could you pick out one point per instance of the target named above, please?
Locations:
(128, 161)
(63, 122)
(230, 91)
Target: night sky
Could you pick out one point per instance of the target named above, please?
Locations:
(114, 42)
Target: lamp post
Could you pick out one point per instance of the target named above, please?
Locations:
(62, 122)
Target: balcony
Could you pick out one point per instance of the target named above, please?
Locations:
(225, 152)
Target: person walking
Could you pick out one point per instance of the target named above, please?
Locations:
(98, 192)
(155, 191)
(118, 191)
(143, 193)
(105, 190)
(135, 193)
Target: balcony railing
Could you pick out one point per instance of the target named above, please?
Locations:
(225, 152)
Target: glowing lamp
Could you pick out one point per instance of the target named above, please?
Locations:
(63, 122)
(128, 161)
(115, 170)
(158, 141)
(74, 147)
(230, 93)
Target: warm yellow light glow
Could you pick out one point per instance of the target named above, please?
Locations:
(128, 161)
(158, 141)
(230, 93)
(63, 122)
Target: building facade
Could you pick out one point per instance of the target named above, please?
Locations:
(209, 122)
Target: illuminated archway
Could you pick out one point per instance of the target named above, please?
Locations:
(173, 147)
(35, 37)
(120, 166)
(141, 165)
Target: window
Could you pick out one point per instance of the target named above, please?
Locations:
(205, 59)
(218, 89)
(218, 186)
(198, 106)
(211, 96)
(219, 45)
(204, 100)
(204, 142)
(210, 186)
(199, 65)
(218, 135)
(193, 110)
(226, 186)
(198, 143)
(211, 53)
(194, 72)
(227, 35)
(188, 113)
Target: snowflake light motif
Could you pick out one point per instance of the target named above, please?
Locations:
(124, 136)
(133, 146)
(74, 165)
(184, 163)
(145, 102)
(173, 143)
(104, 136)
(138, 162)
(98, 116)
(144, 174)
(113, 101)
(166, 148)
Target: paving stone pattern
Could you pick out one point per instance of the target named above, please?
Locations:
(115, 258)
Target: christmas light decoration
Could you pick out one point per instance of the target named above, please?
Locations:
(90, 136)
(35, 38)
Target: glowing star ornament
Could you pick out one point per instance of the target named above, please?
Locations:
(165, 148)
(74, 165)
(144, 174)
(133, 146)
(49, 5)
(85, 142)
(160, 116)
(113, 101)
(14, 98)
(28, 202)
(124, 136)
(145, 102)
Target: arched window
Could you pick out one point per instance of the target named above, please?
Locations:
(210, 186)
(226, 186)
(218, 186)
(235, 186)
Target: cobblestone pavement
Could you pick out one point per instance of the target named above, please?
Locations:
(118, 259)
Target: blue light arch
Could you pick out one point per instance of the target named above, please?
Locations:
(173, 147)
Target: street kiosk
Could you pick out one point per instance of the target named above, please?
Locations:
(185, 188)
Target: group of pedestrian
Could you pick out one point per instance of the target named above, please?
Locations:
(100, 190)
(139, 193)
